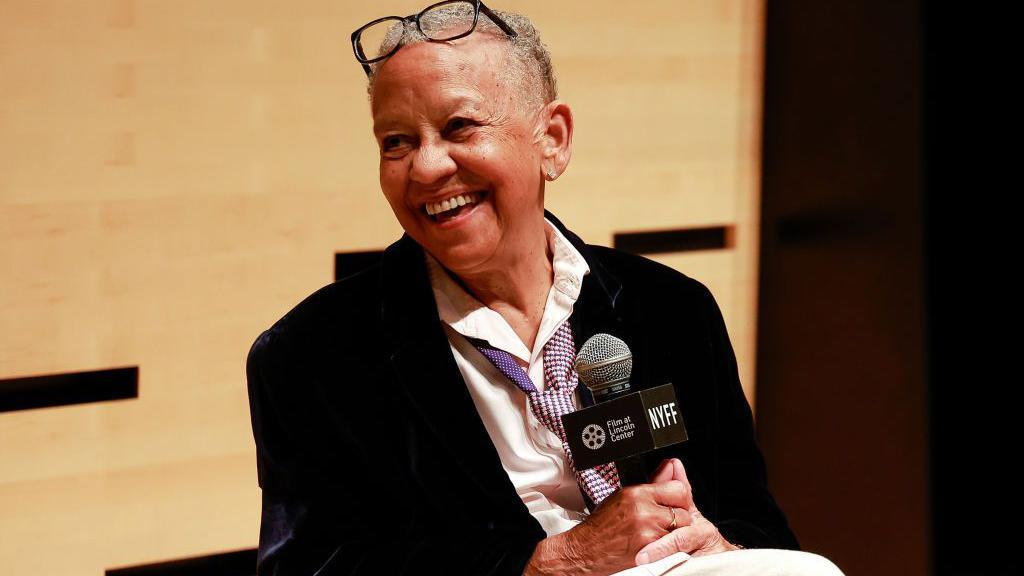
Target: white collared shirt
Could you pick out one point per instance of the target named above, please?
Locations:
(531, 454)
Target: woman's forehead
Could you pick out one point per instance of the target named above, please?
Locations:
(440, 75)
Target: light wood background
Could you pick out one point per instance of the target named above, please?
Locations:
(174, 176)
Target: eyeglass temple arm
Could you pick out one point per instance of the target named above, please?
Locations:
(497, 20)
(359, 51)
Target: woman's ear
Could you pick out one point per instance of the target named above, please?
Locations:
(555, 139)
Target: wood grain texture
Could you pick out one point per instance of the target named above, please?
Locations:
(175, 176)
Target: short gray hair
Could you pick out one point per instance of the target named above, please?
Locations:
(531, 71)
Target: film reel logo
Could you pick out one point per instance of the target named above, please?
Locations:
(593, 436)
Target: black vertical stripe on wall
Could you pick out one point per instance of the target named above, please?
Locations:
(50, 390)
(235, 563)
(680, 240)
(348, 263)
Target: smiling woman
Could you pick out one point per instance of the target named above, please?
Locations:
(466, 331)
(447, 128)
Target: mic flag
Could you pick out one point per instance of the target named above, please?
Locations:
(626, 426)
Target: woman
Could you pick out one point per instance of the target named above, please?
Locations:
(464, 336)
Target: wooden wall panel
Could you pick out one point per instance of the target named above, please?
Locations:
(174, 176)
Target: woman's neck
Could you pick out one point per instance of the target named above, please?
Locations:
(517, 289)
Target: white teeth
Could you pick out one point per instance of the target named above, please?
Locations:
(450, 203)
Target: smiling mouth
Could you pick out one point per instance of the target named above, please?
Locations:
(452, 207)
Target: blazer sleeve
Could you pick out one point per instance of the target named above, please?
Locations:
(316, 522)
(747, 513)
(298, 533)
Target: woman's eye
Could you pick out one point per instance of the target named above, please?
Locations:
(394, 146)
(456, 124)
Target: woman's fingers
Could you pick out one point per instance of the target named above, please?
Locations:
(665, 472)
(673, 493)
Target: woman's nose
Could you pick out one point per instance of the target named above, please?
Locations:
(431, 162)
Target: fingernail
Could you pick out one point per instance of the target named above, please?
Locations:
(643, 558)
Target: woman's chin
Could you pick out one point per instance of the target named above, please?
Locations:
(462, 258)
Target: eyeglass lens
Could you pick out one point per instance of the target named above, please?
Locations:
(441, 21)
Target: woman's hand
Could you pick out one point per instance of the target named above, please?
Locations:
(697, 536)
(623, 525)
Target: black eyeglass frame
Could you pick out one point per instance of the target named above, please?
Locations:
(478, 6)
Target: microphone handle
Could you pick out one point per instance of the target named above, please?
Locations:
(631, 471)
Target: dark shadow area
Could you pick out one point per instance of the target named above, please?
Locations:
(888, 314)
(973, 298)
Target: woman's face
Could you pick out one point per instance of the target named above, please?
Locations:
(450, 132)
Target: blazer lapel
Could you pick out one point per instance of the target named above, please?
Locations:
(426, 370)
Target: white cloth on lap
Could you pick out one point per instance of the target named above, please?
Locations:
(751, 562)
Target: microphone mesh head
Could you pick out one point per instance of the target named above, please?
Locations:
(603, 360)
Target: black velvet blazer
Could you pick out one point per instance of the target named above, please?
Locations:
(372, 458)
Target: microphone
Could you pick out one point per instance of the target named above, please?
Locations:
(604, 365)
(624, 424)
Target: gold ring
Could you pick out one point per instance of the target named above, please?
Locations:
(672, 524)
